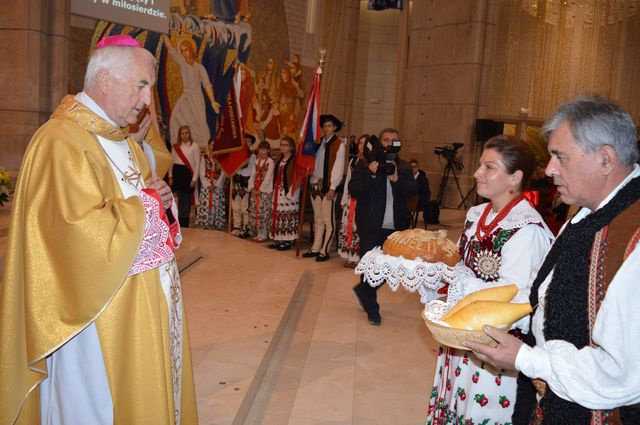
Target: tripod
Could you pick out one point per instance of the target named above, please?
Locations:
(464, 200)
(452, 165)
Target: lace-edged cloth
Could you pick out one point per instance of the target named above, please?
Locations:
(521, 215)
(413, 275)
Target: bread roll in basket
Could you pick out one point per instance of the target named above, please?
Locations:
(487, 307)
(430, 246)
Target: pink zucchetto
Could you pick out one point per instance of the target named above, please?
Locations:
(118, 40)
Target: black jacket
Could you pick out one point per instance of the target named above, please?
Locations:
(371, 193)
(424, 192)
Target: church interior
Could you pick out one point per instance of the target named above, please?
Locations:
(279, 339)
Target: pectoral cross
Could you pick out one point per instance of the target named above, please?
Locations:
(133, 177)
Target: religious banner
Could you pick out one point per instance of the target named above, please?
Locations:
(230, 148)
(229, 137)
(231, 162)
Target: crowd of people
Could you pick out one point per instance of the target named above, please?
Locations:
(504, 241)
(266, 205)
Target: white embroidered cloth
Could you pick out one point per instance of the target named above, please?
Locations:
(153, 251)
(414, 275)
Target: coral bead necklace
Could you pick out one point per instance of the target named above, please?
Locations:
(483, 229)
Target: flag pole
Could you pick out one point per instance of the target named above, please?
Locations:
(230, 215)
(303, 204)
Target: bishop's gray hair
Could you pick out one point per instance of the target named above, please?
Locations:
(595, 122)
(115, 59)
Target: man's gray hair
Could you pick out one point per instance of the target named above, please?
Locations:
(116, 60)
(595, 122)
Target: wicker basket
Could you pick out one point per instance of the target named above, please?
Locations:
(452, 337)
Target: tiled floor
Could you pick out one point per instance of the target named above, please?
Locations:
(278, 340)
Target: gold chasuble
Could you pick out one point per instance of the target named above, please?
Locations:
(164, 161)
(73, 240)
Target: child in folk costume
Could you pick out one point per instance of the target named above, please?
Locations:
(260, 188)
(502, 243)
(240, 195)
(286, 207)
(211, 212)
(348, 239)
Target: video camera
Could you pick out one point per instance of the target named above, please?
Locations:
(386, 157)
(448, 152)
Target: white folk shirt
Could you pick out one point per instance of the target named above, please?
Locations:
(267, 183)
(191, 151)
(246, 171)
(607, 376)
(337, 172)
(521, 255)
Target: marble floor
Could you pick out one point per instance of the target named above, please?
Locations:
(281, 340)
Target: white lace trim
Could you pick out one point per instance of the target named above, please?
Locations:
(153, 251)
(521, 215)
(414, 275)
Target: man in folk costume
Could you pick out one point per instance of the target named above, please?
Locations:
(580, 363)
(91, 314)
(327, 175)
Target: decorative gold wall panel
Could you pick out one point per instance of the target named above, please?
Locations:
(548, 51)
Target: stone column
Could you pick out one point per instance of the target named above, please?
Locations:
(446, 86)
(340, 38)
(34, 39)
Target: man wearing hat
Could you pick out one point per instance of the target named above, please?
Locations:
(92, 322)
(327, 176)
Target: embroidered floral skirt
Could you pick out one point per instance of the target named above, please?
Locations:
(211, 212)
(285, 218)
(348, 239)
(260, 212)
(465, 391)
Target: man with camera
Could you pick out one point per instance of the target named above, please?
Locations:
(380, 183)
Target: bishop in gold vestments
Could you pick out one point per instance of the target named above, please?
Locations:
(91, 319)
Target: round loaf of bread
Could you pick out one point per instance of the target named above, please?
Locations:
(430, 246)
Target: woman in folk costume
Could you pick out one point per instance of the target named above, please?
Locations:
(348, 240)
(211, 212)
(286, 206)
(260, 188)
(501, 244)
(184, 174)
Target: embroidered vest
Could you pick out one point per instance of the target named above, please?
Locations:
(330, 154)
(283, 174)
(611, 247)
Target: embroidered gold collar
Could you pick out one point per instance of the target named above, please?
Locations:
(71, 109)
